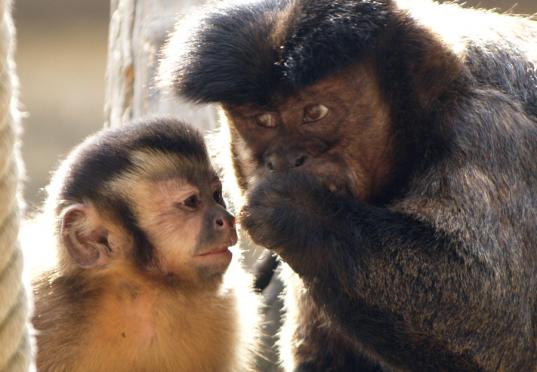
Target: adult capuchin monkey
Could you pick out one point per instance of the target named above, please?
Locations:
(388, 153)
(142, 236)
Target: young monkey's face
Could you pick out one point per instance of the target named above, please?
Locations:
(189, 226)
(144, 201)
(186, 224)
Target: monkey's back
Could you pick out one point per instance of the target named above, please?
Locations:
(498, 50)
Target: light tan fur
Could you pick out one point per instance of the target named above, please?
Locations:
(130, 324)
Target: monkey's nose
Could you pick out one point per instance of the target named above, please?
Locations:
(281, 162)
(300, 160)
(224, 222)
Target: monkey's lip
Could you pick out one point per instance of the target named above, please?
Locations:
(214, 252)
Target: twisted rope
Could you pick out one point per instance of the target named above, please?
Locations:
(15, 352)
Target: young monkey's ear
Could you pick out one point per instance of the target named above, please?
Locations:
(84, 237)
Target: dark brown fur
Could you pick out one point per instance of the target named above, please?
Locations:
(408, 212)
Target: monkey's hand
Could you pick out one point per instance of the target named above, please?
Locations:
(285, 212)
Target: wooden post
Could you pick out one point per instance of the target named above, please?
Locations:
(138, 28)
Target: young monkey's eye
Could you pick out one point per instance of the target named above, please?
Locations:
(217, 196)
(314, 113)
(192, 202)
(266, 120)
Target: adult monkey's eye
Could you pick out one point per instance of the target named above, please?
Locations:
(266, 120)
(192, 203)
(314, 113)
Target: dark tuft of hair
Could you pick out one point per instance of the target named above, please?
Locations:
(247, 53)
(107, 154)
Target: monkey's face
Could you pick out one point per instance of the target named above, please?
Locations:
(189, 226)
(337, 129)
(183, 227)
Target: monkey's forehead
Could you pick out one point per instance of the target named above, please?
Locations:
(131, 185)
(154, 165)
(249, 52)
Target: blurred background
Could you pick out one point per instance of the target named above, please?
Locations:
(61, 61)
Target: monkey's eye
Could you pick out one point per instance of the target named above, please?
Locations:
(192, 202)
(266, 120)
(314, 113)
(217, 196)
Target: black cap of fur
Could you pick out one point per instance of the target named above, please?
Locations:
(247, 53)
(107, 154)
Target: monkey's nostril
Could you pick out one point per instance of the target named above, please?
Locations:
(269, 165)
(300, 161)
(219, 222)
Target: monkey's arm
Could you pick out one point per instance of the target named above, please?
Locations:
(391, 282)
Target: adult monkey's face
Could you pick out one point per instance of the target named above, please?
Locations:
(337, 129)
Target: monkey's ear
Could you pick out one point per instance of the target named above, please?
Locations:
(84, 238)
(433, 75)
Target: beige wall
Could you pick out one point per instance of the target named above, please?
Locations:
(521, 7)
(61, 59)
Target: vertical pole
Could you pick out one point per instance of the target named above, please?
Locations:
(138, 28)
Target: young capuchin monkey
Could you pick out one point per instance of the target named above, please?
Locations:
(141, 281)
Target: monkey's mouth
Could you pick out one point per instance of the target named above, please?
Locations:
(219, 257)
(215, 252)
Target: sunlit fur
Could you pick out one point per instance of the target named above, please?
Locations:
(133, 315)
